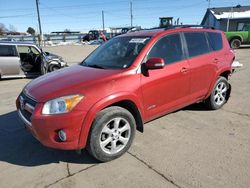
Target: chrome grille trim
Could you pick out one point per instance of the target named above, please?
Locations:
(23, 118)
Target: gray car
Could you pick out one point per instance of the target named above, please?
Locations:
(18, 59)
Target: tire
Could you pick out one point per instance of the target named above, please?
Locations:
(219, 95)
(106, 141)
(235, 43)
(53, 68)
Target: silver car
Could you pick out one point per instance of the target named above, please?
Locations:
(18, 59)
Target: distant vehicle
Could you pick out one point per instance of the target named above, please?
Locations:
(126, 82)
(92, 35)
(18, 59)
(236, 38)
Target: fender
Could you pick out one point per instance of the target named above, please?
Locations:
(101, 104)
(236, 36)
(215, 79)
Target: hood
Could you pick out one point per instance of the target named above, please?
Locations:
(67, 81)
(51, 56)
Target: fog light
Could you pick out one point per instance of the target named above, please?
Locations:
(62, 135)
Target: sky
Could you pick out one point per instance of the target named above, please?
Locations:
(83, 15)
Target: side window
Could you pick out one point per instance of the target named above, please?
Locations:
(196, 44)
(215, 40)
(8, 51)
(169, 48)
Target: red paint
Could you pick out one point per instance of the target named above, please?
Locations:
(158, 92)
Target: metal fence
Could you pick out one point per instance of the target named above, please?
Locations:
(53, 38)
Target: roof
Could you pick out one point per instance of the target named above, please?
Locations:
(231, 12)
(174, 28)
(144, 33)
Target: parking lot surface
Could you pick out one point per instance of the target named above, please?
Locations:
(192, 147)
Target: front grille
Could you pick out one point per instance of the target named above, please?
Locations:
(27, 100)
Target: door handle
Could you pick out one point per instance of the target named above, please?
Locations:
(184, 70)
(216, 60)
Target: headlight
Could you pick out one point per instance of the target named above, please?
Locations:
(61, 105)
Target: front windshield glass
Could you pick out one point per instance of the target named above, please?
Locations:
(118, 53)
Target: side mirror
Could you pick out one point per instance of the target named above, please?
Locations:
(155, 63)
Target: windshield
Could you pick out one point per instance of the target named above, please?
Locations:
(118, 53)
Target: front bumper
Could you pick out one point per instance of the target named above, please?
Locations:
(45, 127)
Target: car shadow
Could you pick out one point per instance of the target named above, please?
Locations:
(19, 147)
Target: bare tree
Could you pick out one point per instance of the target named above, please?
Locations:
(3, 29)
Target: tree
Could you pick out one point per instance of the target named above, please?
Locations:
(31, 31)
(3, 29)
(67, 30)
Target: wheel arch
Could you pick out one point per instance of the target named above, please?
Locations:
(128, 101)
(236, 37)
(223, 73)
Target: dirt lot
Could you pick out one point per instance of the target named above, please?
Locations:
(189, 148)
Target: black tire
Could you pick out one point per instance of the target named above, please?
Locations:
(219, 95)
(54, 68)
(235, 43)
(105, 122)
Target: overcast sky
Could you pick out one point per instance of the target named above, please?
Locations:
(83, 15)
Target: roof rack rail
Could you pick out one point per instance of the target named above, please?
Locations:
(188, 26)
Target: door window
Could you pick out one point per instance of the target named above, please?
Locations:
(196, 44)
(27, 49)
(169, 48)
(215, 40)
(6, 50)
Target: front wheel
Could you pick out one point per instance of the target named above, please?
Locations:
(112, 133)
(219, 95)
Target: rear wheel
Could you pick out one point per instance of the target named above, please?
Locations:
(219, 94)
(112, 133)
(235, 43)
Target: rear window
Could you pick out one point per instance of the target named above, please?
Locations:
(196, 44)
(215, 40)
(7, 51)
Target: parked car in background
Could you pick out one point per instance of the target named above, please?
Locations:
(126, 82)
(236, 38)
(92, 35)
(19, 59)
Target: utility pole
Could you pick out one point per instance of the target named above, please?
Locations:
(131, 14)
(228, 19)
(103, 28)
(208, 7)
(209, 3)
(39, 23)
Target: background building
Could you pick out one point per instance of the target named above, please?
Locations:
(227, 18)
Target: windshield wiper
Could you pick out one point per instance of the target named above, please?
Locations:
(92, 65)
(95, 66)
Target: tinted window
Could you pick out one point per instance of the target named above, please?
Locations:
(196, 44)
(215, 40)
(169, 48)
(6, 50)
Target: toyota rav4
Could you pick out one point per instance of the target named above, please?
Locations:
(126, 82)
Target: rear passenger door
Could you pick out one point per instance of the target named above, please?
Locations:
(166, 89)
(9, 60)
(202, 63)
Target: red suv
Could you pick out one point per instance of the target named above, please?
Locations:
(126, 82)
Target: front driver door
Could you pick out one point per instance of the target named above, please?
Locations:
(166, 89)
